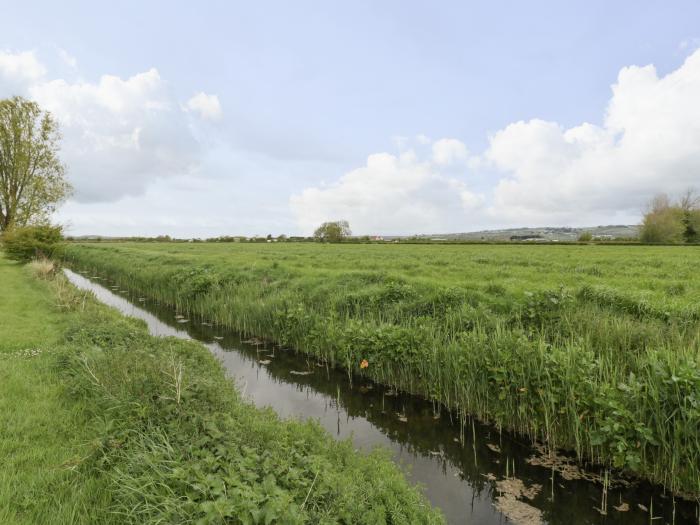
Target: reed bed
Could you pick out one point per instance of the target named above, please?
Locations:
(594, 349)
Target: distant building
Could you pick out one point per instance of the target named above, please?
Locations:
(536, 237)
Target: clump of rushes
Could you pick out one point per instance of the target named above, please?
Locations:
(177, 444)
(605, 363)
(43, 268)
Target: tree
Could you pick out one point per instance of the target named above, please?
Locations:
(663, 222)
(31, 174)
(333, 231)
(689, 204)
(585, 237)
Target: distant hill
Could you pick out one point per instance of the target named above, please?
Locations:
(546, 233)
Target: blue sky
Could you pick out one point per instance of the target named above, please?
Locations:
(325, 110)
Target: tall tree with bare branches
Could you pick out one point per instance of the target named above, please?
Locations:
(32, 177)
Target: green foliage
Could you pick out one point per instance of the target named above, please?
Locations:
(194, 282)
(178, 445)
(672, 223)
(32, 242)
(662, 226)
(585, 237)
(31, 174)
(575, 346)
(332, 231)
(619, 431)
(691, 223)
(545, 307)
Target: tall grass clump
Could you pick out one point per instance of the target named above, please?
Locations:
(604, 362)
(43, 268)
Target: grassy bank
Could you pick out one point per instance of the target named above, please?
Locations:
(591, 348)
(102, 423)
(42, 433)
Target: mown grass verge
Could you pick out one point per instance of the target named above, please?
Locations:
(597, 352)
(152, 431)
(42, 433)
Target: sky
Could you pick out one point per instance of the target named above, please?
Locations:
(199, 119)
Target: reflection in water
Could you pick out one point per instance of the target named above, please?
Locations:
(458, 470)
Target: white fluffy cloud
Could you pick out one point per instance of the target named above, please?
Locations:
(538, 172)
(447, 152)
(649, 142)
(391, 194)
(127, 140)
(119, 135)
(17, 70)
(207, 106)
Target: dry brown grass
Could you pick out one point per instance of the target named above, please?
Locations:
(43, 268)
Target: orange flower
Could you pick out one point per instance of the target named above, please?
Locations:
(364, 363)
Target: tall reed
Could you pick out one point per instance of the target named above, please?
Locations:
(556, 343)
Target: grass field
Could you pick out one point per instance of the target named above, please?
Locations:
(591, 348)
(41, 433)
(102, 423)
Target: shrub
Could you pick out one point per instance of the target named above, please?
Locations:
(32, 242)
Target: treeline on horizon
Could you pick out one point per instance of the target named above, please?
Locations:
(665, 222)
(366, 239)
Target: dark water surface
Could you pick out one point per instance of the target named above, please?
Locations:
(458, 470)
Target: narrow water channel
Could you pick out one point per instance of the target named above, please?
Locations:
(461, 471)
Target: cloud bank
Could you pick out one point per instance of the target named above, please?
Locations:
(649, 142)
(538, 172)
(130, 141)
(119, 135)
(390, 194)
(17, 70)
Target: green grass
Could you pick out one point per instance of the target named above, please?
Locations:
(40, 433)
(28, 317)
(591, 348)
(107, 424)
